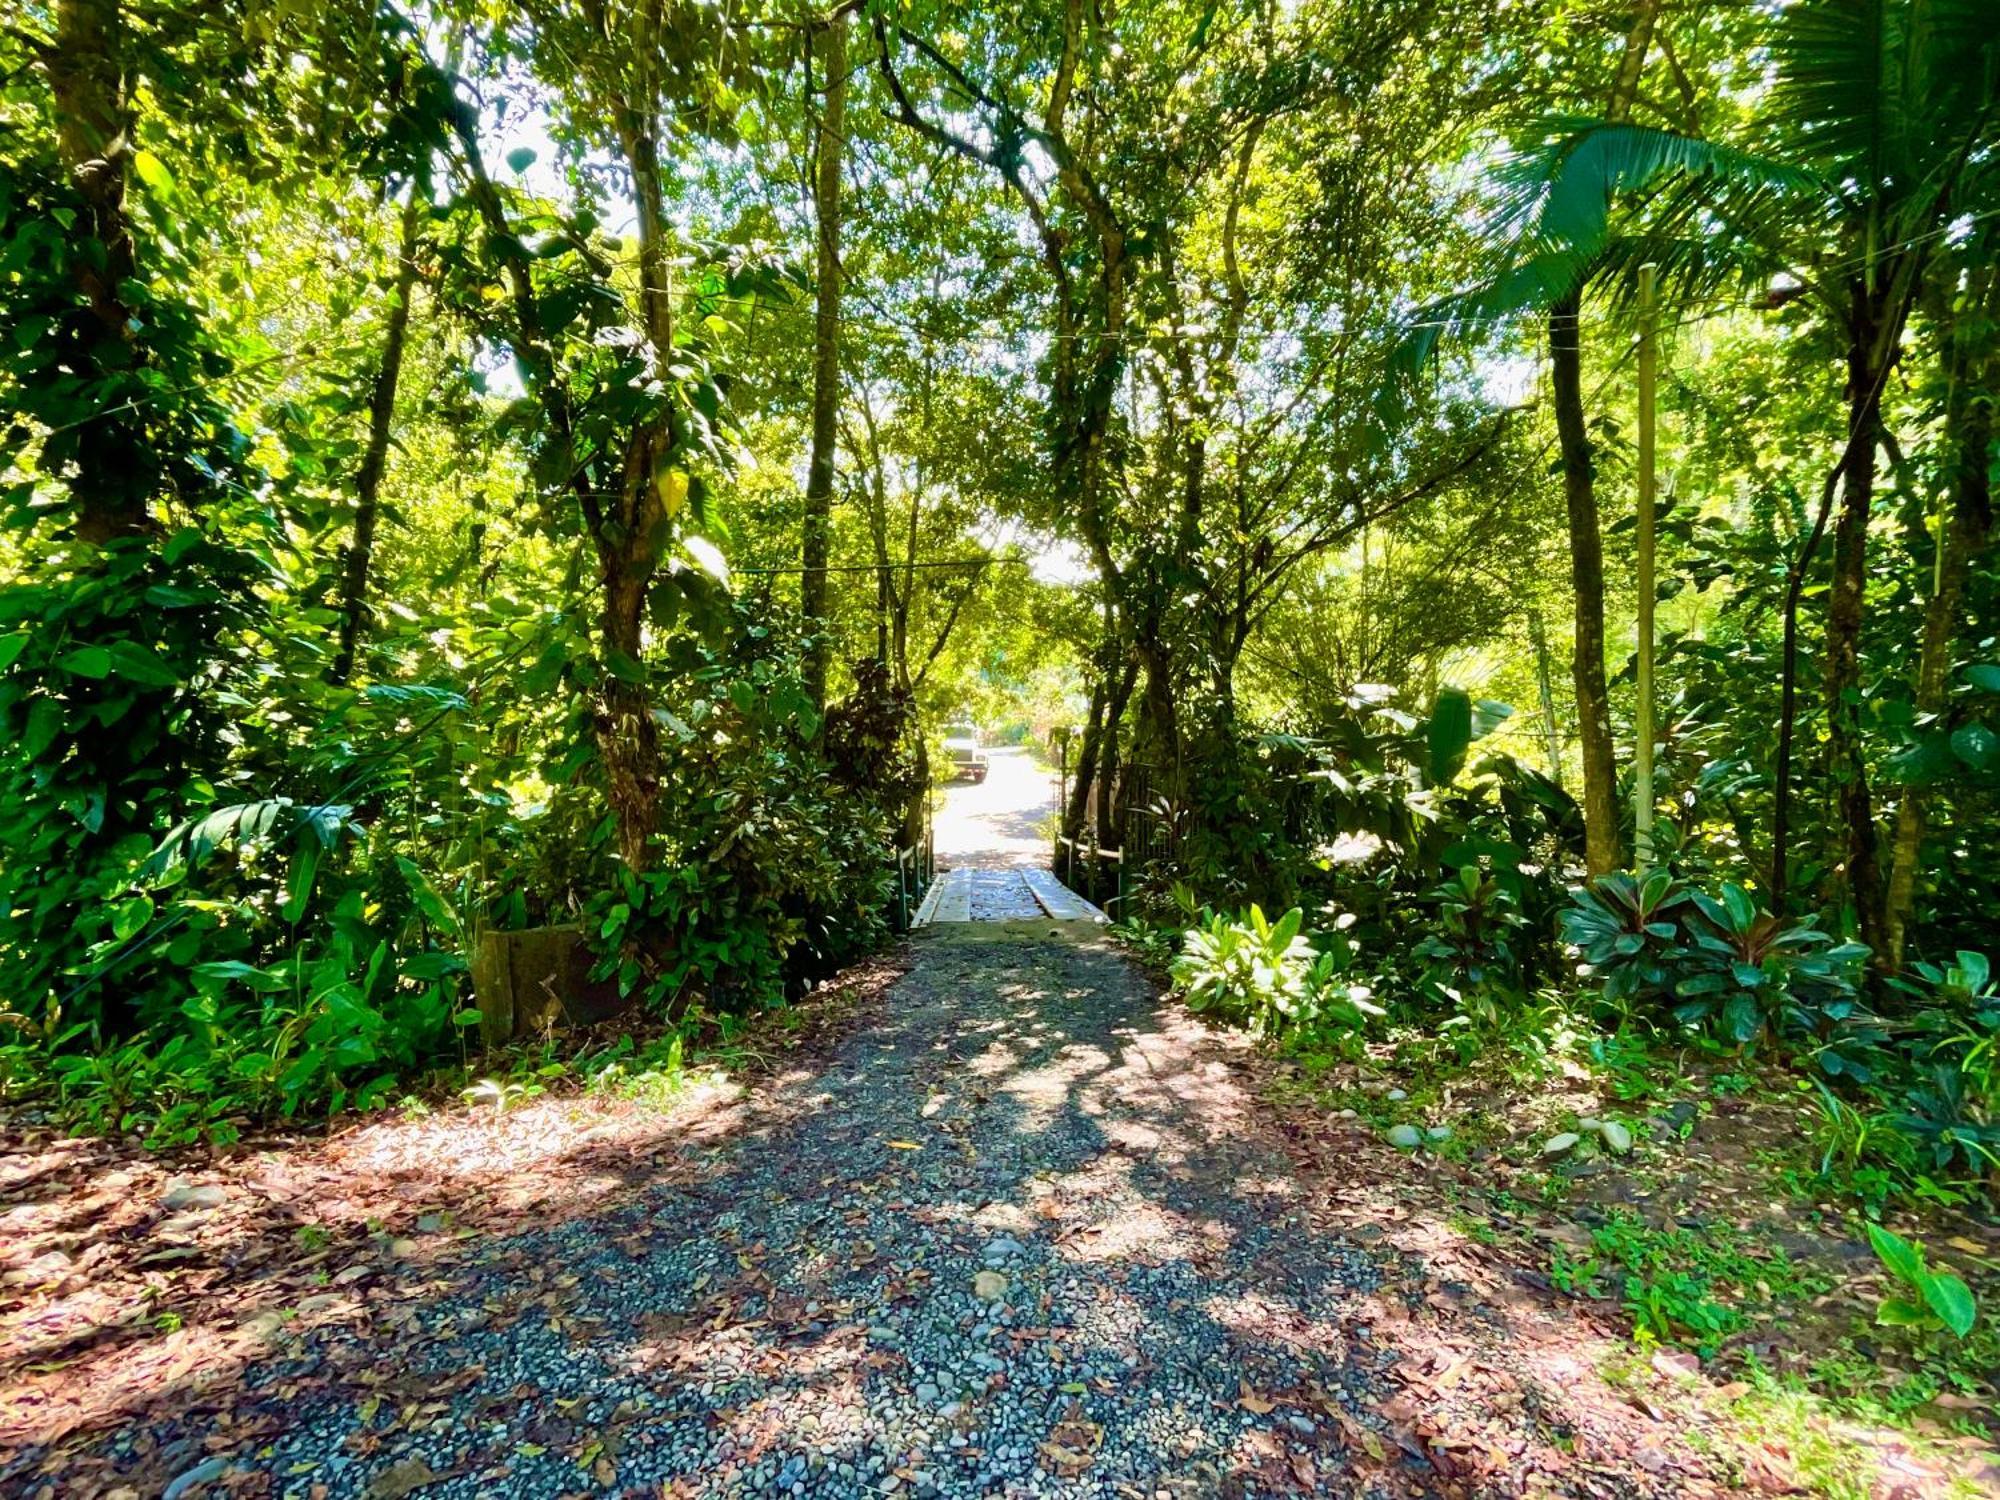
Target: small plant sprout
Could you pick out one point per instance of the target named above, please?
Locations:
(1935, 1299)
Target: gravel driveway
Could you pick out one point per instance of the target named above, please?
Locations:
(1020, 1231)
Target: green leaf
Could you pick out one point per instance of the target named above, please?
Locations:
(1899, 1312)
(434, 907)
(1976, 745)
(520, 158)
(305, 868)
(1985, 676)
(1951, 1300)
(130, 915)
(1740, 1018)
(1904, 1260)
(135, 663)
(1449, 735)
(153, 172)
(88, 661)
(1742, 910)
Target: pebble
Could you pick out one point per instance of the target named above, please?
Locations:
(201, 1473)
(202, 1197)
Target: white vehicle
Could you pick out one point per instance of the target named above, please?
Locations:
(961, 744)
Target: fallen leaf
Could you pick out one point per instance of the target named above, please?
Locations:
(1249, 1400)
(401, 1478)
(1359, 1435)
(1676, 1364)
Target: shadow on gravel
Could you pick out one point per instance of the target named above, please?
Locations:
(1012, 1231)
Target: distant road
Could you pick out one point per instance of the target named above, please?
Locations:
(997, 822)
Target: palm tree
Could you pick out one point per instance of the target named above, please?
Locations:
(1886, 112)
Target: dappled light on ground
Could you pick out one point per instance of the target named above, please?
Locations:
(1014, 1228)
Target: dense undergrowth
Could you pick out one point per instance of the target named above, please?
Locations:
(1435, 964)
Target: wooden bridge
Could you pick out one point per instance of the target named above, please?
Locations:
(1005, 893)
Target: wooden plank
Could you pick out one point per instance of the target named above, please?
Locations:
(955, 900)
(1058, 900)
(950, 899)
(928, 906)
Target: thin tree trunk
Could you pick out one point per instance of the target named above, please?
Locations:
(1602, 851)
(1084, 764)
(1159, 734)
(830, 45)
(1964, 531)
(381, 420)
(1124, 678)
(1538, 636)
(1846, 758)
(1602, 847)
(86, 73)
(1788, 692)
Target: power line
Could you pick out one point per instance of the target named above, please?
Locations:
(896, 567)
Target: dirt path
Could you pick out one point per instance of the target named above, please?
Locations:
(1018, 1229)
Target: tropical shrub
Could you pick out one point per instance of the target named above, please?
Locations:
(1268, 975)
(1473, 949)
(1628, 934)
(1753, 974)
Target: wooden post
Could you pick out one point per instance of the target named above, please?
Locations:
(1642, 781)
(1062, 794)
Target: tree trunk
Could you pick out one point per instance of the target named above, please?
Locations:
(1788, 693)
(831, 47)
(381, 419)
(1084, 763)
(628, 738)
(1538, 635)
(1964, 531)
(1111, 751)
(1846, 759)
(1159, 735)
(86, 75)
(631, 539)
(631, 546)
(1602, 852)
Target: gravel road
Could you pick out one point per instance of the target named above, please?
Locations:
(1020, 1229)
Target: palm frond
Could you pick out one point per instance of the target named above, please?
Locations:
(1577, 170)
(1525, 285)
(1888, 95)
(1834, 60)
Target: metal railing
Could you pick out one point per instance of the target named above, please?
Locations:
(916, 868)
(1148, 835)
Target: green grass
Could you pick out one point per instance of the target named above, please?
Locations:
(1690, 1287)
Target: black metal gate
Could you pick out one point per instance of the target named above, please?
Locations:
(1144, 846)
